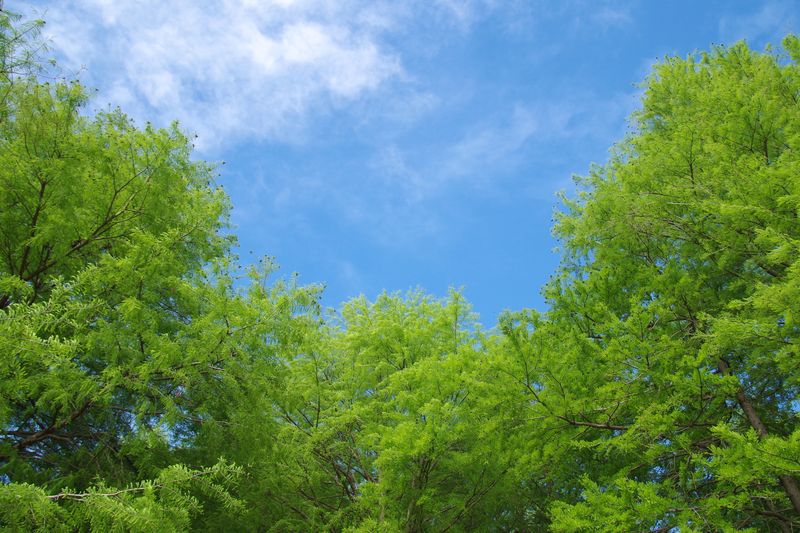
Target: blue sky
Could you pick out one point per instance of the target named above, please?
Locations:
(394, 144)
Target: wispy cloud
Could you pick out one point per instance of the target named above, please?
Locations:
(608, 17)
(769, 22)
(464, 12)
(488, 145)
(573, 17)
(494, 149)
(350, 276)
(401, 193)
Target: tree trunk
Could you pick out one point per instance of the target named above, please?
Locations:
(788, 482)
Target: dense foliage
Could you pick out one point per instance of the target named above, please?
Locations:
(149, 383)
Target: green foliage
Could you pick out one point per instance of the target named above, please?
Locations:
(162, 504)
(385, 421)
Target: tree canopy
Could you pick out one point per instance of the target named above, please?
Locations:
(670, 347)
(149, 382)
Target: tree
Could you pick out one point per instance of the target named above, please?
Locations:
(667, 363)
(126, 345)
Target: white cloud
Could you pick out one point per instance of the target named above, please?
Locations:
(227, 69)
